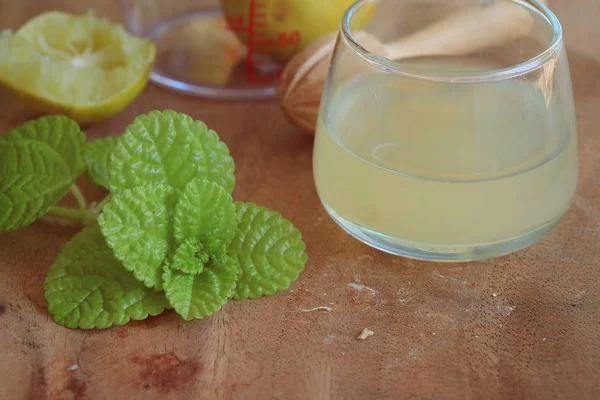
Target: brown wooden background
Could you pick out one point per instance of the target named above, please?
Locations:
(525, 326)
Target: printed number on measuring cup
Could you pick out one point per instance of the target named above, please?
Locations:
(290, 38)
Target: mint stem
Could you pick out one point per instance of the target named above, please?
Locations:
(70, 213)
(98, 207)
(79, 196)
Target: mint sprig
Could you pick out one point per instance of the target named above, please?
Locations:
(196, 296)
(205, 212)
(269, 250)
(87, 287)
(137, 226)
(39, 162)
(168, 235)
(97, 154)
(60, 134)
(170, 148)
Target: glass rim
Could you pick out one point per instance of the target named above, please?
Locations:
(510, 72)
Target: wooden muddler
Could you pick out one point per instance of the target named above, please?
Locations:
(464, 32)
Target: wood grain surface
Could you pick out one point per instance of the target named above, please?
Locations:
(525, 326)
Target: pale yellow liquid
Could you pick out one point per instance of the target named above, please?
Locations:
(445, 166)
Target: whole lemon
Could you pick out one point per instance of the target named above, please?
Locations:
(281, 28)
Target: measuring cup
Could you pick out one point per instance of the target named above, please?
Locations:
(178, 27)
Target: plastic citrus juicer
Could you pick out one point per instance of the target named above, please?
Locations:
(227, 49)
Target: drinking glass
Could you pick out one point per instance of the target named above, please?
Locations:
(450, 152)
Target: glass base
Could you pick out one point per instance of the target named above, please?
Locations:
(441, 253)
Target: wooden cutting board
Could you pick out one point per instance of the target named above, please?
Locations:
(525, 326)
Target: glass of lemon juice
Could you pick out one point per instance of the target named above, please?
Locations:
(447, 157)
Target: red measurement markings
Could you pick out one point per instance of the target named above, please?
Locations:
(259, 39)
(251, 17)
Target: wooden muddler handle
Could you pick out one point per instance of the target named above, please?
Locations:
(465, 32)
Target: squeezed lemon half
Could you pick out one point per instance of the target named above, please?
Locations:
(80, 66)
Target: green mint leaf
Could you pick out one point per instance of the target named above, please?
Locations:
(87, 287)
(206, 213)
(33, 178)
(269, 250)
(137, 226)
(190, 257)
(39, 162)
(196, 296)
(167, 147)
(60, 133)
(97, 154)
